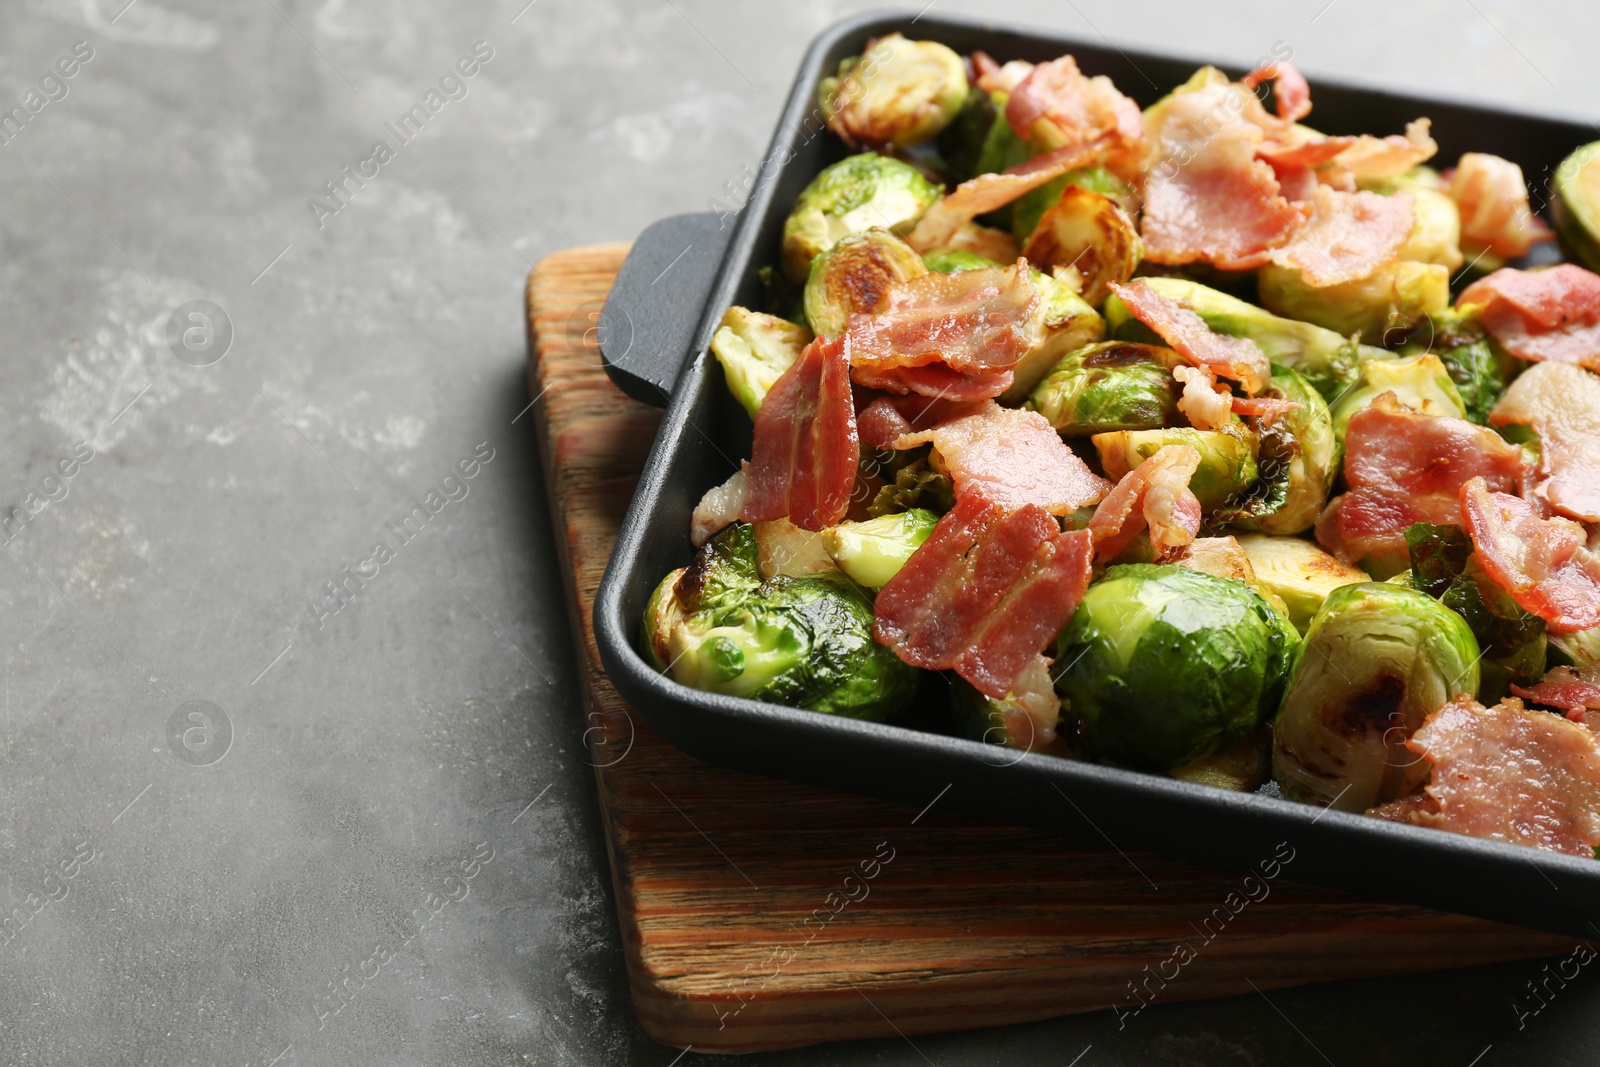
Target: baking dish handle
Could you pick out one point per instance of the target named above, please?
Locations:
(648, 324)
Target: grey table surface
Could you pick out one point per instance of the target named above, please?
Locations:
(230, 881)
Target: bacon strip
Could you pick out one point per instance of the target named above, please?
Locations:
(970, 320)
(1206, 195)
(803, 461)
(988, 192)
(1012, 458)
(1387, 157)
(1544, 564)
(1509, 774)
(1350, 236)
(1562, 404)
(985, 593)
(1404, 468)
(1155, 494)
(1289, 89)
(1568, 688)
(1544, 315)
(1236, 358)
(1493, 199)
(1310, 152)
(936, 381)
(888, 418)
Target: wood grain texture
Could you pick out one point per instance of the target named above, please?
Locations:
(758, 914)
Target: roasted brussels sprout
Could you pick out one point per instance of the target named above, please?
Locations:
(804, 642)
(1444, 565)
(1577, 205)
(1087, 232)
(850, 197)
(1377, 660)
(1027, 209)
(1475, 364)
(1241, 768)
(1421, 383)
(1112, 385)
(855, 275)
(1328, 361)
(1390, 301)
(897, 94)
(1297, 459)
(1299, 572)
(873, 551)
(1164, 665)
(755, 349)
(1227, 458)
(1436, 233)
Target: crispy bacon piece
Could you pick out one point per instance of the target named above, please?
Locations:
(1265, 408)
(1574, 690)
(1290, 91)
(1154, 494)
(803, 461)
(1509, 774)
(1349, 236)
(1302, 152)
(952, 336)
(1236, 358)
(991, 77)
(1012, 458)
(1545, 564)
(1562, 404)
(985, 593)
(1205, 402)
(1077, 109)
(1386, 157)
(1544, 315)
(987, 192)
(1404, 468)
(888, 418)
(1493, 200)
(1206, 195)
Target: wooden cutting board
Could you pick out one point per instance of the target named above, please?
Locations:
(758, 914)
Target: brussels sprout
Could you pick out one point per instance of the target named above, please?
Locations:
(1477, 366)
(754, 350)
(1027, 209)
(1227, 458)
(1242, 768)
(951, 260)
(873, 551)
(803, 642)
(897, 94)
(1164, 665)
(915, 485)
(850, 197)
(1377, 660)
(1392, 299)
(1328, 361)
(1089, 233)
(1297, 458)
(1436, 233)
(1112, 385)
(1577, 205)
(1444, 565)
(1063, 322)
(1581, 649)
(1299, 572)
(1421, 383)
(855, 275)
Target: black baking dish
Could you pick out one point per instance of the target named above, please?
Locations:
(685, 271)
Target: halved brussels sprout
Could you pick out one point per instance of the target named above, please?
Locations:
(873, 551)
(1088, 232)
(855, 275)
(755, 349)
(1390, 301)
(850, 197)
(1436, 231)
(802, 642)
(1300, 573)
(1112, 385)
(1377, 660)
(1164, 665)
(1479, 369)
(1328, 361)
(1421, 383)
(1027, 209)
(1242, 768)
(1577, 205)
(1298, 457)
(897, 94)
(1227, 458)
